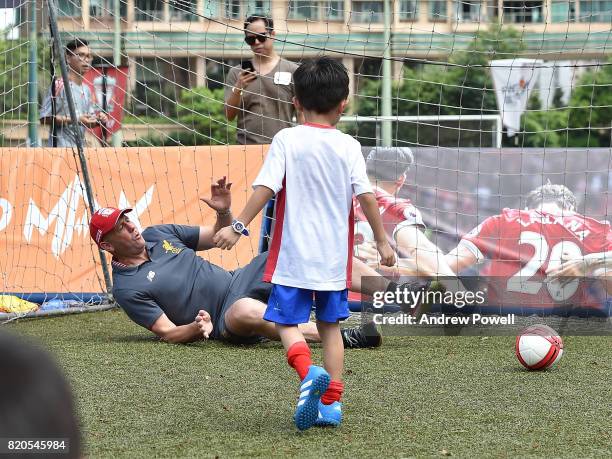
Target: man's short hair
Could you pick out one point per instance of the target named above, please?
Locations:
(269, 23)
(552, 193)
(389, 163)
(321, 84)
(72, 45)
(35, 398)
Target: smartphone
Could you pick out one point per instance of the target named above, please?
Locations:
(248, 66)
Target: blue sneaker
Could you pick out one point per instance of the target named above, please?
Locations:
(329, 415)
(313, 386)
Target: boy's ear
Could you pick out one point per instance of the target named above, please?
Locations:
(296, 104)
(343, 105)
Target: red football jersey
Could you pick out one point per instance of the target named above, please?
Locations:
(395, 212)
(522, 244)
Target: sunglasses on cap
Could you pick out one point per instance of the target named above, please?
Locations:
(250, 39)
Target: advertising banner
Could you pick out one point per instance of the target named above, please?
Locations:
(514, 79)
(44, 213)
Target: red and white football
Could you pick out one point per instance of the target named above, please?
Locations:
(538, 347)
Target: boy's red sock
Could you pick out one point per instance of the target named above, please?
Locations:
(333, 393)
(298, 357)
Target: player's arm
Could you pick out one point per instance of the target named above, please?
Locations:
(460, 258)
(370, 210)
(429, 259)
(599, 265)
(226, 238)
(207, 233)
(476, 246)
(176, 334)
(220, 201)
(596, 264)
(269, 182)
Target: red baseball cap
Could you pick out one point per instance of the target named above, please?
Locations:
(103, 221)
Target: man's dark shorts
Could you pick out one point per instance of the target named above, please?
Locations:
(246, 283)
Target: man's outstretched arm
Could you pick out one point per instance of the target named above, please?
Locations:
(226, 238)
(205, 241)
(220, 201)
(429, 259)
(168, 331)
(597, 265)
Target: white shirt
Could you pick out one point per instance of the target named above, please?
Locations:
(314, 172)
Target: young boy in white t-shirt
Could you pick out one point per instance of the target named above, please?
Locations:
(314, 170)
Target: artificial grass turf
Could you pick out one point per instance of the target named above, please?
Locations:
(418, 396)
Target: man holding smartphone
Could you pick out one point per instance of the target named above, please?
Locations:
(55, 111)
(260, 91)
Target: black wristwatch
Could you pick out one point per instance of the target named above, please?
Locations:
(239, 228)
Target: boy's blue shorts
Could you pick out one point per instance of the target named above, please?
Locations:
(292, 305)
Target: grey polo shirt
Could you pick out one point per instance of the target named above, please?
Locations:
(175, 281)
(83, 103)
(266, 104)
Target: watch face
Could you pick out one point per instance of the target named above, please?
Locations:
(238, 226)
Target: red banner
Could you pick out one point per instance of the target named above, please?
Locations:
(108, 83)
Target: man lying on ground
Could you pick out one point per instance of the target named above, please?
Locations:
(164, 286)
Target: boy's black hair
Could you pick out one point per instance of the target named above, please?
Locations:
(72, 45)
(321, 84)
(267, 21)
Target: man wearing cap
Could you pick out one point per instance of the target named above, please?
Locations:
(164, 286)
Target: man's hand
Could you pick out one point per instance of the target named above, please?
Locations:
(387, 255)
(226, 238)
(244, 79)
(102, 117)
(203, 322)
(220, 196)
(569, 269)
(89, 121)
(572, 268)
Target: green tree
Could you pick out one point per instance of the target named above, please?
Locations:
(13, 78)
(14, 75)
(589, 113)
(202, 113)
(539, 128)
(461, 86)
(464, 86)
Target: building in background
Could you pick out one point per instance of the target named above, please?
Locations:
(171, 45)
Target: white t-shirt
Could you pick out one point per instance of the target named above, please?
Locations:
(314, 172)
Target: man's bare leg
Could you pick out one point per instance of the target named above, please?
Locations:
(245, 318)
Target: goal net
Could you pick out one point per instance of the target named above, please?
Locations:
(494, 98)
